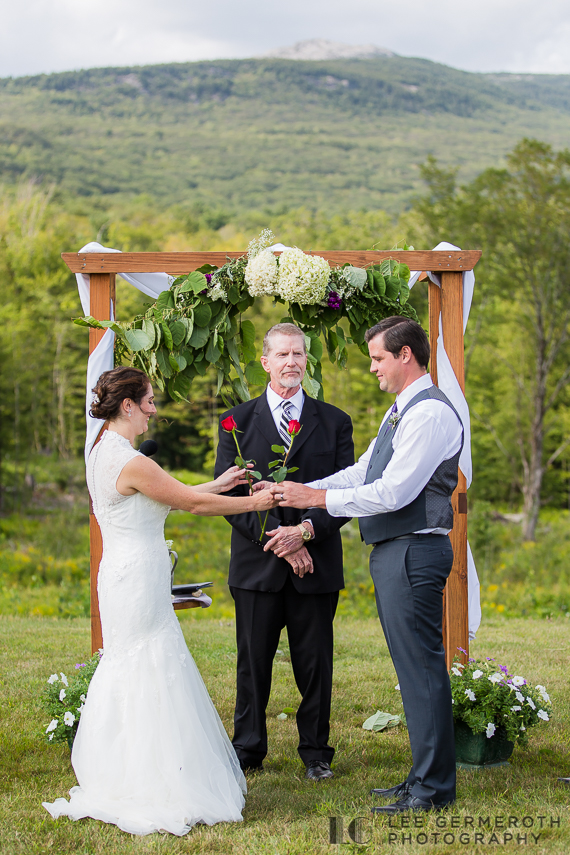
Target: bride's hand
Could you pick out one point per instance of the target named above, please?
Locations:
(263, 500)
(262, 485)
(232, 477)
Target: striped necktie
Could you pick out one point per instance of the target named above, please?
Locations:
(284, 423)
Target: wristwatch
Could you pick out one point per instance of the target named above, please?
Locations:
(305, 533)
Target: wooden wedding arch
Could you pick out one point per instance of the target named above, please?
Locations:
(102, 269)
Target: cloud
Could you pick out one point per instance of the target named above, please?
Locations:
(487, 35)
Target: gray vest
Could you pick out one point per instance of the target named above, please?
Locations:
(432, 508)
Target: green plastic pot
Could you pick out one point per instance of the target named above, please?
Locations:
(476, 751)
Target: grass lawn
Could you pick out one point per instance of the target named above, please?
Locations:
(286, 815)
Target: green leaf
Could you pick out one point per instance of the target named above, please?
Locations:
(280, 474)
(202, 315)
(289, 710)
(181, 385)
(213, 350)
(381, 721)
(311, 386)
(404, 293)
(138, 339)
(278, 449)
(392, 287)
(316, 348)
(241, 389)
(150, 330)
(179, 361)
(162, 359)
(355, 276)
(292, 469)
(195, 282)
(201, 366)
(199, 337)
(167, 335)
(255, 373)
(178, 332)
(188, 325)
(248, 341)
(388, 266)
(233, 295)
(254, 473)
(165, 301)
(231, 345)
(221, 378)
(239, 461)
(275, 463)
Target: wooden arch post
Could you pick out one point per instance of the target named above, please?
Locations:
(102, 268)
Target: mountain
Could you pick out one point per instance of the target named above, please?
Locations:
(270, 133)
(319, 49)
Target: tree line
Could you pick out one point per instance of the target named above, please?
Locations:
(517, 341)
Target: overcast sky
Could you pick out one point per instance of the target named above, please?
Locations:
(485, 35)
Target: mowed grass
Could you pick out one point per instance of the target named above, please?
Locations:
(285, 814)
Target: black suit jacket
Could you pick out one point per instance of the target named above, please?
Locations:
(323, 446)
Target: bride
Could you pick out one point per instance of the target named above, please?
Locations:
(151, 753)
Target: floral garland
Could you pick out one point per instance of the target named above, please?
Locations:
(198, 322)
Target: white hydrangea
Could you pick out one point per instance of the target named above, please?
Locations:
(261, 274)
(217, 292)
(259, 244)
(302, 278)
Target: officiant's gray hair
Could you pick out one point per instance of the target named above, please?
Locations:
(282, 329)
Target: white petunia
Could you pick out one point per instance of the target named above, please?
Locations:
(53, 679)
(64, 679)
(261, 274)
(516, 709)
(397, 688)
(543, 693)
(543, 715)
(470, 694)
(52, 725)
(477, 674)
(82, 698)
(490, 730)
(522, 727)
(302, 278)
(519, 681)
(68, 718)
(519, 697)
(531, 703)
(456, 671)
(496, 677)
(80, 709)
(50, 737)
(62, 695)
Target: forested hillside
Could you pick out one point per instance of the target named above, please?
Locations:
(269, 134)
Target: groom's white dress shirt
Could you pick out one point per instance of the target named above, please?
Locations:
(427, 434)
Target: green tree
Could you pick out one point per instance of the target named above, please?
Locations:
(519, 350)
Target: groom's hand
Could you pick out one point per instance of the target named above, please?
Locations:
(284, 540)
(293, 495)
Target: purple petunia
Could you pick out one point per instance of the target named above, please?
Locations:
(81, 665)
(334, 300)
(208, 277)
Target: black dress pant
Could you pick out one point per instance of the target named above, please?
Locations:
(260, 617)
(409, 576)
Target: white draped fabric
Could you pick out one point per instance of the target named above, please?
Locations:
(152, 284)
(101, 359)
(447, 382)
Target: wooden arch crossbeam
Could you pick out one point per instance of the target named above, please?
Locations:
(102, 269)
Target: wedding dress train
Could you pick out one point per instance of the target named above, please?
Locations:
(151, 753)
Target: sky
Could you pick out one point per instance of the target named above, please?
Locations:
(486, 35)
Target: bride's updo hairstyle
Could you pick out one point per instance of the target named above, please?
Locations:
(113, 387)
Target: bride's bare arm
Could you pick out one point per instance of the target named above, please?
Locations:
(143, 475)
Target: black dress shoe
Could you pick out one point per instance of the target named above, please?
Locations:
(409, 802)
(399, 791)
(318, 770)
(251, 768)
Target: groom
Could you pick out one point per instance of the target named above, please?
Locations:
(401, 490)
(292, 579)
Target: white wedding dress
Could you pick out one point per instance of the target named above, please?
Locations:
(151, 753)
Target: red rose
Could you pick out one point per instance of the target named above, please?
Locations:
(294, 427)
(229, 424)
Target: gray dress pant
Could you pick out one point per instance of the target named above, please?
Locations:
(409, 576)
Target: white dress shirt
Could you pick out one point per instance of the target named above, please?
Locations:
(427, 434)
(275, 403)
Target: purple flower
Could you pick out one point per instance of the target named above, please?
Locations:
(208, 277)
(334, 301)
(472, 660)
(488, 658)
(462, 650)
(81, 665)
(504, 669)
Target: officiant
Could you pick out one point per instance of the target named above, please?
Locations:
(292, 577)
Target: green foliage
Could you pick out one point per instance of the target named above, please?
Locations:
(198, 323)
(63, 700)
(485, 697)
(345, 134)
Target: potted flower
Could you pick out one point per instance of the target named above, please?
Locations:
(493, 710)
(64, 698)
